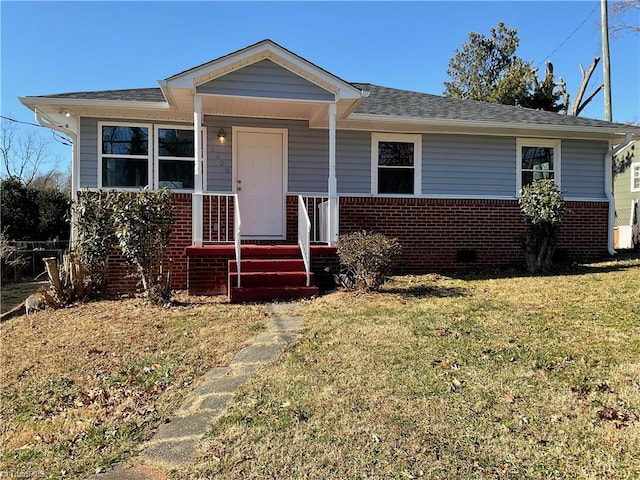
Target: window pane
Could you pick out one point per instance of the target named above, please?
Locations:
(175, 143)
(124, 172)
(175, 174)
(395, 180)
(636, 178)
(537, 158)
(529, 177)
(125, 140)
(395, 154)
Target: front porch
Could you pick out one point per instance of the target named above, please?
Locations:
(264, 272)
(253, 269)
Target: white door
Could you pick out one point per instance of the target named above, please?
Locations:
(260, 161)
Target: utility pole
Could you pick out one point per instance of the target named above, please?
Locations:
(605, 57)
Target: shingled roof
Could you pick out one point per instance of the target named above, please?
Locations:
(384, 101)
(131, 95)
(397, 104)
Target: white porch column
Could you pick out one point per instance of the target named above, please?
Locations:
(332, 227)
(196, 198)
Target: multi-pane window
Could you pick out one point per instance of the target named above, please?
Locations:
(175, 157)
(137, 155)
(396, 164)
(635, 177)
(537, 160)
(124, 155)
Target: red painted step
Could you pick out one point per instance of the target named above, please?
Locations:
(241, 295)
(270, 279)
(268, 265)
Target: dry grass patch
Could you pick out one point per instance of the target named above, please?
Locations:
(84, 386)
(531, 377)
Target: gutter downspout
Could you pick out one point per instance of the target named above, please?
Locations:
(608, 183)
(69, 128)
(608, 188)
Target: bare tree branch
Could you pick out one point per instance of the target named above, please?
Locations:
(619, 10)
(589, 98)
(23, 153)
(578, 105)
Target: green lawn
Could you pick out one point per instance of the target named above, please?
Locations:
(438, 377)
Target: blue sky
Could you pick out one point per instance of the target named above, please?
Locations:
(54, 47)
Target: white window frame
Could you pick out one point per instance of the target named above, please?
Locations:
(538, 143)
(416, 139)
(156, 155)
(635, 167)
(149, 156)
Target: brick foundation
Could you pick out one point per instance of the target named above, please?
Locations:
(122, 278)
(443, 234)
(435, 234)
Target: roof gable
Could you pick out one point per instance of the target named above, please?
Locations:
(268, 80)
(264, 50)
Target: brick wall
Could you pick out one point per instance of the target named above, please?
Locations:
(208, 275)
(121, 277)
(456, 233)
(435, 234)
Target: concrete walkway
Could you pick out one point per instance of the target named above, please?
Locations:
(175, 444)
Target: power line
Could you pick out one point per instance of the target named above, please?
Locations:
(570, 35)
(57, 136)
(20, 121)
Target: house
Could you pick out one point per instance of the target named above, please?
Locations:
(626, 191)
(290, 155)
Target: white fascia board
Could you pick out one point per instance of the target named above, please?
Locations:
(33, 102)
(168, 93)
(461, 124)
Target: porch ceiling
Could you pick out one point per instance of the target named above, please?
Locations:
(316, 112)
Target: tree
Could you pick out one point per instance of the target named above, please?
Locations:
(23, 153)
(624, 12)
(545, 94)
(19, 210)
(30, 214)
(487, 69)
(53, 218)
(542, 205)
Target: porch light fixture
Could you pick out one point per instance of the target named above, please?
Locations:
(222, 136)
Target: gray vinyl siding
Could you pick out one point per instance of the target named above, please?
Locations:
(268, 80)
(452, 165)
(308, 162)
(353, 162)
(88, 152)
(467, 165)
(582, 168)
(308, 159)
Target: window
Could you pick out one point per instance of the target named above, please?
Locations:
(537, 159)
(175, 157)
(396, 164)
(124, 155)
(635, 177)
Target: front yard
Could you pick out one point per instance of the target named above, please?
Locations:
(449, 378)
(84, 386)
(437, 377)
